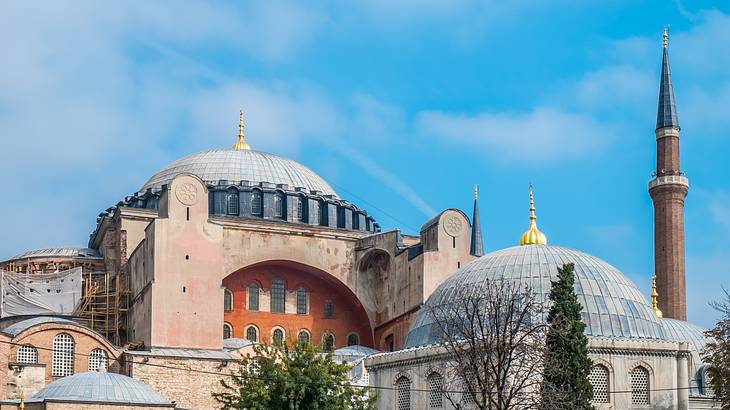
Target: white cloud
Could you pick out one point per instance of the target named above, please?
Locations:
(542, 134)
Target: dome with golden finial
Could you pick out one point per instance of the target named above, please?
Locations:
(533, 236)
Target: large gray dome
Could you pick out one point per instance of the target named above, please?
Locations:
(101, 387)
(241, 165)
(612, 305)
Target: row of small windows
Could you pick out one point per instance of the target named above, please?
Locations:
(598, 377)
(277, 300)
(277, 336)
(62, 363)
(344, 219)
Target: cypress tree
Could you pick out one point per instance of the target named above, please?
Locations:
(567, 365)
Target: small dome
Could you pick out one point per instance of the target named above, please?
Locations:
(681, 331)
(612, 305)
(101, 387)
(241, 165)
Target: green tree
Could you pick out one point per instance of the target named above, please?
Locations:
(567, 365)
(717, 354)
(292, 378)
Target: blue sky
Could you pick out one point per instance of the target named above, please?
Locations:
(401, 106)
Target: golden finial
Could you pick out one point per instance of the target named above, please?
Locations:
(241, 144)
(654, 295)
(22, 401)
(533, 236)
(666, 36)
(476, 191)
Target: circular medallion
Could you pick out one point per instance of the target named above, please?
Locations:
(187, 194)
(453, 225)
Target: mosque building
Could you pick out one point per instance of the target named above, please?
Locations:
(230, 247)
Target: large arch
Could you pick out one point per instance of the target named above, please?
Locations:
(349, 313)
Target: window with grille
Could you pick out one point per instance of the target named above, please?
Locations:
(252, 334)
(303, 336)
(278, 337)
(329, 309)
(353, 339)
(228, 300)
(599, 380)
(278, 296)
(301, 301)
(279, 205)
(328, 342)
(98, 360)
(227, 331)
(63, 355)
(253, 296)
(403, 394)
(469, 384)
(435, 391)
(257, 203)
(27, 354)
(640, 386)
(232, 202)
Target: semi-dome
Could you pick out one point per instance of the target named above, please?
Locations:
(241, 165)
(101, 387)
(613, 306)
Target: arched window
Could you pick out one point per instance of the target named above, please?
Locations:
(329, 309)
(278, 296)
(253, 296)
(27, 354)
(328, 342)
(279, 205)
(232, 202)
(302, 305)
(303, 336)
(599, 380)
(277, 337)
(227, 331)
(98, 360)
(228, 300)
(435, 391)
(403, 393)
(252, 334)
(63, 355)
(640, 386)
(353, 339)
(257, 203)
(302, 205)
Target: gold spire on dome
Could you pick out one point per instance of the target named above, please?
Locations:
(654, 295)
(241, 145)
(533, 236)
(666, 36)
(22, 401)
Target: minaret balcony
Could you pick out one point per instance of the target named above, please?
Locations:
(669, 180)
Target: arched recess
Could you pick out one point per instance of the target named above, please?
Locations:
(374, 268)
(351, 316)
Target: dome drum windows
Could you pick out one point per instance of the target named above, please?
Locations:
(279, 205)
(257, 203)
(232, 202)
(640, 386)
(599, 379)
(278, 296)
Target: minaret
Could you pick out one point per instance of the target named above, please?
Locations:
(477, 243)
(240, 145)
(668, 190)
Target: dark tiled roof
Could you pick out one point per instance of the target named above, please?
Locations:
(667, 112)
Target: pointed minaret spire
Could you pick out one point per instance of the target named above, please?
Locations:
(477, 243)
(668, 190)
(241, 143)
(667, 112)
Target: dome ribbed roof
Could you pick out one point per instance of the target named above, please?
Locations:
(241, 165)
(612, 305)
(101, 387)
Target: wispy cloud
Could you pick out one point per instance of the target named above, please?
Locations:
(542, 134)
